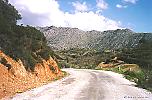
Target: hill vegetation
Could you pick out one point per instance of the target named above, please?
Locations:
(141, 55)
(21, 42)
(26, 61)
(139, 72)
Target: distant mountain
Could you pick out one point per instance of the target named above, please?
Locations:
(60, 38)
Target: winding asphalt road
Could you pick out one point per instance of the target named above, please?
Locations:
(83, 84)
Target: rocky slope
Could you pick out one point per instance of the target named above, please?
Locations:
(15, 79)
(65, 38)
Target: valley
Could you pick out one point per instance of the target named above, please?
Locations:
(87, 49)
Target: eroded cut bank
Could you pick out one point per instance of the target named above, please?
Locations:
(14, 78)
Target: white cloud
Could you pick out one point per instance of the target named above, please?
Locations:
(47, 13)
(80, 6)
(91, 21)
(101, 4)
(131, 1)
(120, 6)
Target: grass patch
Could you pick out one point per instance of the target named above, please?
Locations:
(65, 73)
(142, 78)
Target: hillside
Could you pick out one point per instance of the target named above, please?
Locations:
(61, 38)
(88, 48)
(21, 42)
(14, 78)
(25, 59)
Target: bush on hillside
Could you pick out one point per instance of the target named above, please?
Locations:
(21, 42)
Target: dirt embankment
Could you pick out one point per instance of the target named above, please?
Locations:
(15, 79)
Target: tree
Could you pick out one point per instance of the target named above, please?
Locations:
(8, 16)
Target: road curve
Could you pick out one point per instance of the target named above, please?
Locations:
(83, 84)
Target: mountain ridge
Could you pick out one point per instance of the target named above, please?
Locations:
(61, 38)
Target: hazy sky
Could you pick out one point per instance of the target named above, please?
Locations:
(87, 14)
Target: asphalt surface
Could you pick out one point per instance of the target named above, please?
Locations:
(83, 84)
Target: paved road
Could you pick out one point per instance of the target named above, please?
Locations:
(87, 85)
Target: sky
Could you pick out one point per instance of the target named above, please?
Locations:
(87, 15)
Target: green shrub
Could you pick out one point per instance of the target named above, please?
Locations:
(52, 68)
